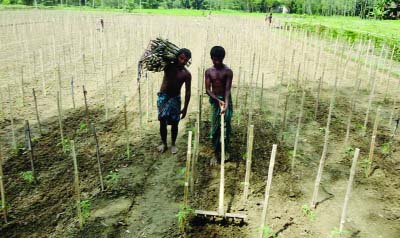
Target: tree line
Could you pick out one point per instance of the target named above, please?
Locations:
(379, 9)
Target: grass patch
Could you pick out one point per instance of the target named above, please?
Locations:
(351, 28)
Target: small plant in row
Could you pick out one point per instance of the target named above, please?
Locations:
(27, 176)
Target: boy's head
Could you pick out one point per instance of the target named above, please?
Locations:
(217, 54)
(183, 56)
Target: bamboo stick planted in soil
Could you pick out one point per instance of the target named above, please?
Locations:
(13, 139)
(296, 141)
(188, 172)
(28, 146)
(283, 124)
(86, 104)
(267, 190)
(372, 145)
(221, 210)
(72, 93)
(348, 191)
(22, 88)
(324, 150)
(128, 150)
(320, 80)
(37, 110)
(60, 121)
(2, 190)
(98, 157)
(76, 184)
(249, 154)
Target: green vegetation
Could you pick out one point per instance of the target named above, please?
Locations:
(352, 29)
(376, 9)
(366, 164)
(307, 211)
(349, 150)
(27, 176)
(82, 128)
(85, 209)
(65, 144)
(183, 215)
(337, 233)
(386, 148)
(268, 232)
(112, 178)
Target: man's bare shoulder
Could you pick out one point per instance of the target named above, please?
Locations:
(227, 69)
(187, 72)
(209, 70)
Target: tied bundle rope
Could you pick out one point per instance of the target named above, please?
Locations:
(158, 54)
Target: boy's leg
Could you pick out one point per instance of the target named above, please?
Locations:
(174, 135)
(163, 133)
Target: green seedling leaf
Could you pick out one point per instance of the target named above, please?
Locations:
(27, 176)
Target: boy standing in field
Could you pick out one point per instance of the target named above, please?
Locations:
(169, 98)
(269, 18)
(218, 80)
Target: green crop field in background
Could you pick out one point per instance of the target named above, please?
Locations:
(386, 28)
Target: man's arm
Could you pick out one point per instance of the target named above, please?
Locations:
(228, 86)
(208, 88)
(188, 83)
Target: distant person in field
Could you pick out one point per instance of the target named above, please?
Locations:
(218, 81)
(169, 98)
(269, 18)
(100, 25)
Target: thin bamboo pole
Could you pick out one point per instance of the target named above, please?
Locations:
(86, 104)
(13, 139)
(98, 157)
(237, 87)
(372, 145)
(128, 150)
(72, 93)
(388, 73)
(37, 111)
(319, 93)
(147, 97)
(283, 124)
(106, 108)
(28, 146)
(221, 210)
(60, 120)
(22, 88)
(267, 190)
(262, 92)
(325, 148)
(392, 113)
(296, 141)
(2, 190)
(349, 118)
(348, 191)
(188, 172)
(249, 155)
(44, 91)
(60, 90)
(76, 184)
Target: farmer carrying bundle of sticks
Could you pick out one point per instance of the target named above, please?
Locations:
(162, 55)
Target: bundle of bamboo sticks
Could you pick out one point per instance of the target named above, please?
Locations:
(159, 53)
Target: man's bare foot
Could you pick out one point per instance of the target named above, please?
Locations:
(174, 149)
(162, 148)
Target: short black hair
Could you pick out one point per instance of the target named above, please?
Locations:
(217, 52)
(184, 51)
